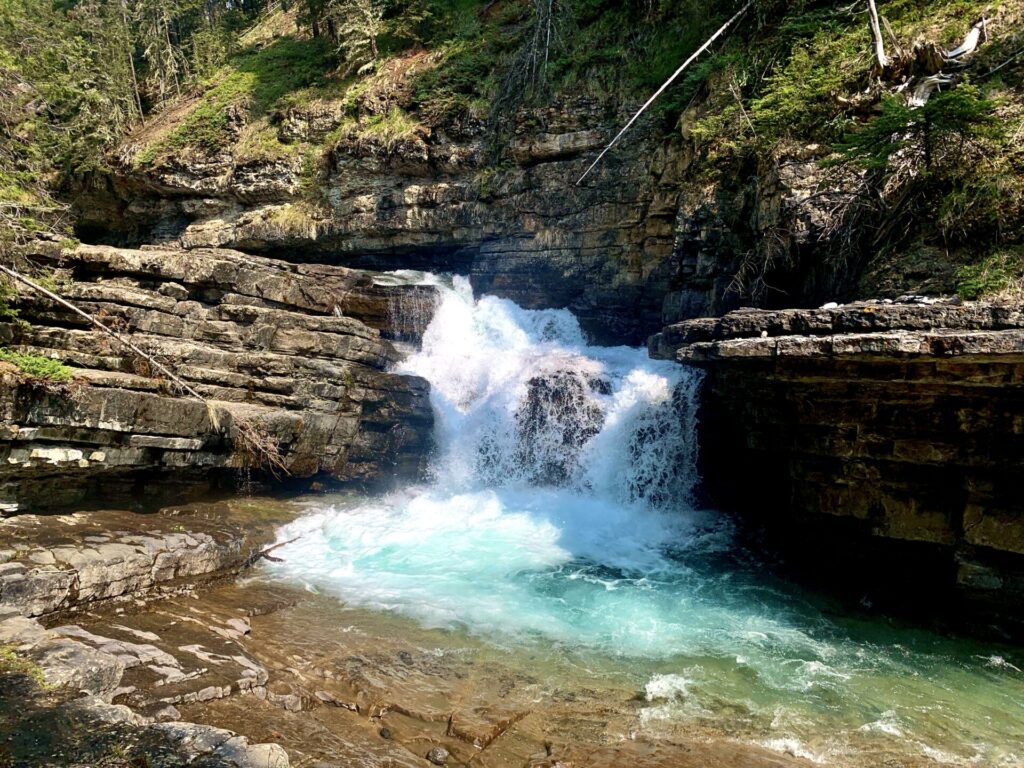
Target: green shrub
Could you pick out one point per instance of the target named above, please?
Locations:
(37, 366)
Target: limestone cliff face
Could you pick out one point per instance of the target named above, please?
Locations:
(648, 239)
(895, 429)
(299, 351)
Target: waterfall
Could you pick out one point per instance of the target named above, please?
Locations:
(559, 516)
(562, 471)
(521, 400)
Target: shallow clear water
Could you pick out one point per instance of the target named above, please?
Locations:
(559, 517)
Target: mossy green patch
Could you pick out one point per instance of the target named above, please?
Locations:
(37, 366)
(998, 275)
(13, 664)
(389, 129)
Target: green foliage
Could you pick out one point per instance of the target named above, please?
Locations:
(941, 132)
(629, 48)
(950, 152)
(36, 366)
(390, 129)
(999, 273)
(7, 297)
(258, 81)
(459, 81)
(828, 56)
(13, 664)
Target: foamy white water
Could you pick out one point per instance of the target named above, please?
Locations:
(562, 473)
(560, 510)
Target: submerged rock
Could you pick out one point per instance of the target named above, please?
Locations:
(438, 755)
(555, 421)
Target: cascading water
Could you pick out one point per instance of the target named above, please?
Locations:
(559, 512)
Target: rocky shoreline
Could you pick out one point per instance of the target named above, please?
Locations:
(56, 567)
(155, 651)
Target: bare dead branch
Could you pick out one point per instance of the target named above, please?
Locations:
(93, 321)
(693, 57)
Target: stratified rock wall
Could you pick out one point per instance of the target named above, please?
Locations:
(643, 241)
(296, 350)
(898, 424)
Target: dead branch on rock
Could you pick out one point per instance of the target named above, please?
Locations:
(923, 90)
(528, 71)
(919, 75)
(257, 448)
(675, 75)
(970, 43)
(93, 321)
(252, 441)
(757, 265)
(264, 554)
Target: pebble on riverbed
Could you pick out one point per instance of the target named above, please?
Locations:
(438, 755)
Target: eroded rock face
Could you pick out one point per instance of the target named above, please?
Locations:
(632, 242)
(898, 424)
(300, 351)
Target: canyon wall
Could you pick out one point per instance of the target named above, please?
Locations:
(894, 429)
(646, 240)
(290, 358)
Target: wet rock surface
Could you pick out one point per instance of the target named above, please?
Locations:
(898, 426)
(336, 679)
(250, 672)
(103, 691)
(297, 350)
(53, 565)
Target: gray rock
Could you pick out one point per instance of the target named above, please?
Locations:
(297, 350)
(438, 755)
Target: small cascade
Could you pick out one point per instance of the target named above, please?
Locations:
(411, 302)
(523, 400)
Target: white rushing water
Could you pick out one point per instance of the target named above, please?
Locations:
(559, 476)
(560, 510)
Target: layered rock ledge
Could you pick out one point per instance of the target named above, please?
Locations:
(52, 566)
(301, 351)
(900, 424)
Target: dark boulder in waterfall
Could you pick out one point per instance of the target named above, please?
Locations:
(555, 421)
